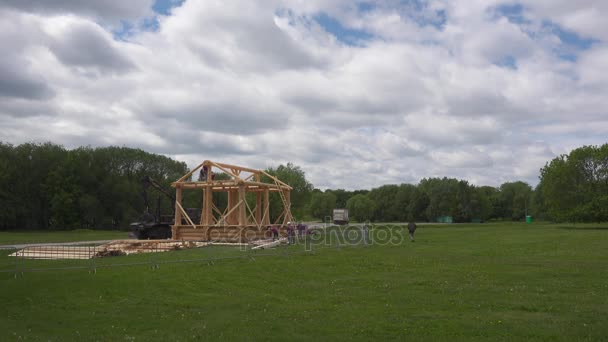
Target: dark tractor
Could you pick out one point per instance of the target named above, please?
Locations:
(153, 226)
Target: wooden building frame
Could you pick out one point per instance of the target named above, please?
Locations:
(240, 221)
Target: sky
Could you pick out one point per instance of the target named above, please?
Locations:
(357, 93)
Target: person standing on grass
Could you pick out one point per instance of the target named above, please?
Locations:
(275, 232)
(291, 232)
(301, 228)
(366, 234)
(411, 227)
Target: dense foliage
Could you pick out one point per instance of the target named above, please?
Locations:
(433, 198)
(300, 195)
(45, 186)
(574, 187)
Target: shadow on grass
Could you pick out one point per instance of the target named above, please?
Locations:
(583, 228)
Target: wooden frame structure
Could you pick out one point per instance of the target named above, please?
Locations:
(239, 221)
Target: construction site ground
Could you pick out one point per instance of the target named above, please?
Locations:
(95, 249)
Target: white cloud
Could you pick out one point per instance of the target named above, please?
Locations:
(261, 83)
(111, 10)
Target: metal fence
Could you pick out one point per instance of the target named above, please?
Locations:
(154, 253)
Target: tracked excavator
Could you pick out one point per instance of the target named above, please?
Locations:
(152, 225)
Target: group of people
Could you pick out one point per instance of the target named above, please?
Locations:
(292, 229)
(301, 231)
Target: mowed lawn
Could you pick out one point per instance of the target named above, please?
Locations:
(21, 237)
(456, 282)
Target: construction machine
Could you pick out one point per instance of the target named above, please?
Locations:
(153, 225)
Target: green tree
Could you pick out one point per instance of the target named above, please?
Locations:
(481, 206)
(44, 186)
(322, 204)
(385, 203)
(574, 187)
(295, 177)
(442, 195)
(360, 207)
(418, 206)
(515, 198)
(403, 199)
(342, 197)
(492, 195)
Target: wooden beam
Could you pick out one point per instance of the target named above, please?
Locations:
(277, 180)
(266, 220)
(226, 170)
(191, 172)
(231, 219)
(258, 207)
(228, 213)
(203, 209)
(209, 207)
(242, 212)
(178, 201)
(228, 184)
(287, 204)
(185, 215)
(256, 220)
(229, 166)
(217, 210)
(274, 186)
(279, 217)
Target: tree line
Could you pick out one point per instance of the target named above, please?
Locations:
(430, 200)
(46, 186)
(573, 187)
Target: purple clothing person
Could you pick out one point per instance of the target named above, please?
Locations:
(275, 233)
(291, 232)
(301, 229)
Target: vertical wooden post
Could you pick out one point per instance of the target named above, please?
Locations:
(266, 207)
(230, 204)
(203, 210)
(178, 200)
(287, 195)
(258, 208)
(208, 220)
(242, 206)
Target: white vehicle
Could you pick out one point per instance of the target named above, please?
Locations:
(340, 216)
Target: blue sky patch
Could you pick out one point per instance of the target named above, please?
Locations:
(508, 62)
(569, 37)
(571, 42)
(419, 12)
(164, 6)
(514, 13)
(344, 34)
(366, 6)
(160, 7)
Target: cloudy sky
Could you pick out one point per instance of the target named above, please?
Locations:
(357, 93)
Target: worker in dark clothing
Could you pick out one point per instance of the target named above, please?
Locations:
(202, 176)
(411, 227)
(275, 233)
(291, 234)
(301, 229)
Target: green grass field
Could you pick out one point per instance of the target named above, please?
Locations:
(20, 237)
(456, 282)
